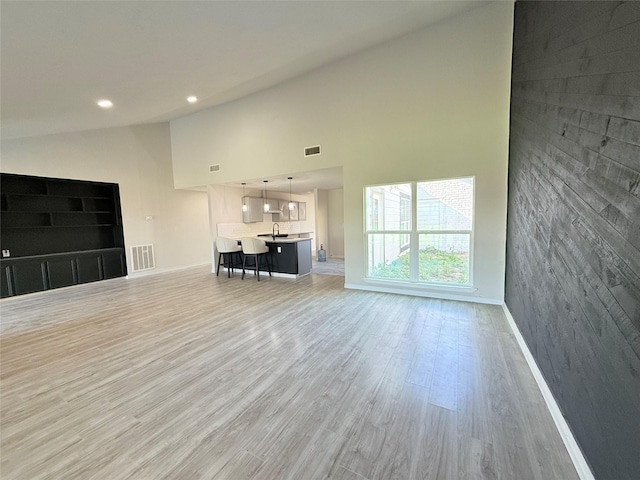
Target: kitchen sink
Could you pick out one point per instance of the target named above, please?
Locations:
(277, 235)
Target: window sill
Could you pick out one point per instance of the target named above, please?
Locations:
(464, 293)
(422, 286)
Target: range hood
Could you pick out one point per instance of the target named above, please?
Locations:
(271, 206)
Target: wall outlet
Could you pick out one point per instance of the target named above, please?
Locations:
(6, 253)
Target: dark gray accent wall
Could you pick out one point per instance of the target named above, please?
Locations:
(573, 233)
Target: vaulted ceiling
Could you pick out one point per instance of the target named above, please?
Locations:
(58, 58)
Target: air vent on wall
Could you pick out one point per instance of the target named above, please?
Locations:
(214, 168)
(142, 257)
(311, 151)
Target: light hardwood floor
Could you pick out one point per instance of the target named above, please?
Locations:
(186, 375)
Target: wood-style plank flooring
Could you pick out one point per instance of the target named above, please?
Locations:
(186, 375)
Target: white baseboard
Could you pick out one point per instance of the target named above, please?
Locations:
(577, 457)
(424, 293)
(155, 271)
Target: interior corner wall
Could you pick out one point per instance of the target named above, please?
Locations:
(335, 201)
(430, 105)
(139, 160)
(573, 237)
(321, 198)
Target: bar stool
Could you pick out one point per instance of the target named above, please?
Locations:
(229, 247)
(256, 248)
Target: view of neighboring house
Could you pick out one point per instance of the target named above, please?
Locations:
(443, 219)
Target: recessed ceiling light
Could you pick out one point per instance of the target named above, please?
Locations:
(105, 103)
(192, 99)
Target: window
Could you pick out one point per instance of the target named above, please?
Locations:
(405, 220)
(420, 231)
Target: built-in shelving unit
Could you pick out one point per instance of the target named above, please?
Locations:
(58, 232)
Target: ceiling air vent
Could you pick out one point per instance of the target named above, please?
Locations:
(214, 168)
(311, 151)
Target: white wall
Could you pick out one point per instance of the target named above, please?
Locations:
(322, 218)
(433, 104)
(336, 223)
(139, 160)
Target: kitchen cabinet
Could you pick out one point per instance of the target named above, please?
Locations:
(293, 214)
(283, 206)
(299, 211)
(255, 209)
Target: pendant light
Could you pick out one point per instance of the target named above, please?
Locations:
(245, 207)
(291, 205)
(266, 199)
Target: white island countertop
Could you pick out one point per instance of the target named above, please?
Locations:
(269, 239)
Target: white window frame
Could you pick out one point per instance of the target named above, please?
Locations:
(414, 234)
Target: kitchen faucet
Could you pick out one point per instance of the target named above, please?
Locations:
(273, 230)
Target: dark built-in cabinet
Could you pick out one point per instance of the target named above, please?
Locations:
(57, 232)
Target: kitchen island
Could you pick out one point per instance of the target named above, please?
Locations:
(289, 257)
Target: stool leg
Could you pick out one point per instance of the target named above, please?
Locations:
(257, 268)
(218, 269)
(233, 265)
(244, 262)
(239, 259)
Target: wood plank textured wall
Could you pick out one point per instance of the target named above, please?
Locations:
(573, 255)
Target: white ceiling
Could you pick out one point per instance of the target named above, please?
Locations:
(59, 57)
